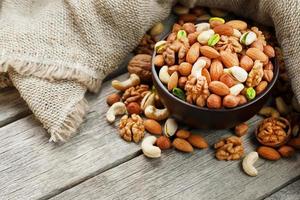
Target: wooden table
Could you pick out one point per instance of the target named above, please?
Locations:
(98, 164)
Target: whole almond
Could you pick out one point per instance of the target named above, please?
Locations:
(286, 151)
(206, 74)
(163, 142)
(241, 129)
(192, 37)
(185, 68)
(184, 134)
(228, 79)
(230, 101)
(218, 88)
(258, 44)
(189, 27)
(159, 60)
(209, 52)
(257, 54)
(261, 87)
(268, 153)
(173, 81)
(246, 63)
(197, 141)
(214, 101)
(269, 51)
(229, 59)
(223, 29)
(237, 24)
(242, 99)
(182, 145)
(269, 66)
(295, 142)
(216, 69)
(193, 53)
(268, 75)
(153, 126)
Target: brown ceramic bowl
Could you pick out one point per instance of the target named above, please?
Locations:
(208, 118)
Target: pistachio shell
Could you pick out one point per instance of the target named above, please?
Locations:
(236, 89)
(160, 46)
(202, 27)
(170, 127)
(204, 36)
(248, 38)
(239, 73)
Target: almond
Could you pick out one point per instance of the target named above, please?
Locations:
(184, 134)
(197, 141)
(269, 66)
(193, 53)
(230, 101)
(189, 27)
(246, 63)
(286, 151)
(228, 79)
(258, 44)
(223, 29)
(173, 81)
(268, 153)
(214, 101)
(237, 24)
(218, 88)
(182, 145)
(185, 68)
(153, 126)
(192, 37)
(209, 52)
(261, 87)
(268, 75)
(229, 59)
(242, 99)
(163, 142)
(295, 142)
(216, 70)
(269, 51)
(159, 60)
(206, 74)
(257, 54)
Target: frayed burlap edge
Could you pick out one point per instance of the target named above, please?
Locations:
(52, 72)
(71, 123)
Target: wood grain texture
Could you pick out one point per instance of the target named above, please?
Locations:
(32, 168)
(188, 176)
(290, 192)
(12, 107)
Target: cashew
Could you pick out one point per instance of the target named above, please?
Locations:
(155, 113)
(149, 99)
(164, 75)
(269, 112)
(248, 162)
(148, 149)
(132, 81)
(197, 67)
(170, 127)
(117, 108)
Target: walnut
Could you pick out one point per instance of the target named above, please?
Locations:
(141, 66)
(132, 128)
(256, 74)
(135, 94)
(180, 47)
(273, 131)
(197, 90)
(230, 148)
(259, 34)
(229, 43)
(146, 45)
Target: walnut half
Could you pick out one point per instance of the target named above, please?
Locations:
(230, 148)
(132, 128)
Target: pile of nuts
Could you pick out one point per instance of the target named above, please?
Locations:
(213, 64)
(216, 64)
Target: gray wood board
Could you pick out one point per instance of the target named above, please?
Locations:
(32, 168)
(189, 176)
(290, 192)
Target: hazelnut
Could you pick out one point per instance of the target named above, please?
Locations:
(163, 142)
(133, 108)
(214, 101)
(192, 37)
(230, 101)
(181, 81)
(185, 68)
(242, 99)
(241, 129)
(172, 69)
(159, 60)
(113, 98)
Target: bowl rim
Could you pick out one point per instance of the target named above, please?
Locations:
(257, 98)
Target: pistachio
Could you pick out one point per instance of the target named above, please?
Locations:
(170, 127)
(173, 81)
(250, 93)
(181, 34)
(215, 21)
(202, 27)
(213, 40)
(160, 46)
(149, 99)
(178, 93)
(236, 89)
(236, 33)
(239, 73)
(248, 38)
(164, 75)
(204, 36)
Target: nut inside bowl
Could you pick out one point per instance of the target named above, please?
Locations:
(208, 118)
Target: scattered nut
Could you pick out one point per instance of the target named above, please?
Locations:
(133, 108)
(148, 149)
(197, 141)
(281, 106)
(230, 148)
(286, 151)
(184, 134)
(269, 112)
(152, 112)
(117, 108)
(141, 66)
(182, 145)
(268, 153)
(131, 128)
(113, 98)
(241, 129)
(163, 142)
(157, 29)
(295, 142)
(132, 81)
(153, 126)
(248, 163)
(170, 127)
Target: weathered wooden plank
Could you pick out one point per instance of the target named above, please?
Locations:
(12, 107)
(187, 176)
(290, 192)
(32, 168)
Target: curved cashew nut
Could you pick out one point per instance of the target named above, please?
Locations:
(248, 162)
(149, 99)
(164, 75)
(148, 149)
(133, 80)
(197, 67)
(155, 113)
(117, 108)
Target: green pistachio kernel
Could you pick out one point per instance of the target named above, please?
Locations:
(213, 40)
(181, 34)
(160, 46)
(178, 93)
(217, 19)
(250, 93)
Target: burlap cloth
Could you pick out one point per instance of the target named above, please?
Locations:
(54, 51)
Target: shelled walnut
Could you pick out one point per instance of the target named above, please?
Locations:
(229, 43)
(197, 90)
(132, 128)
(230, 148)
(135, 94)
